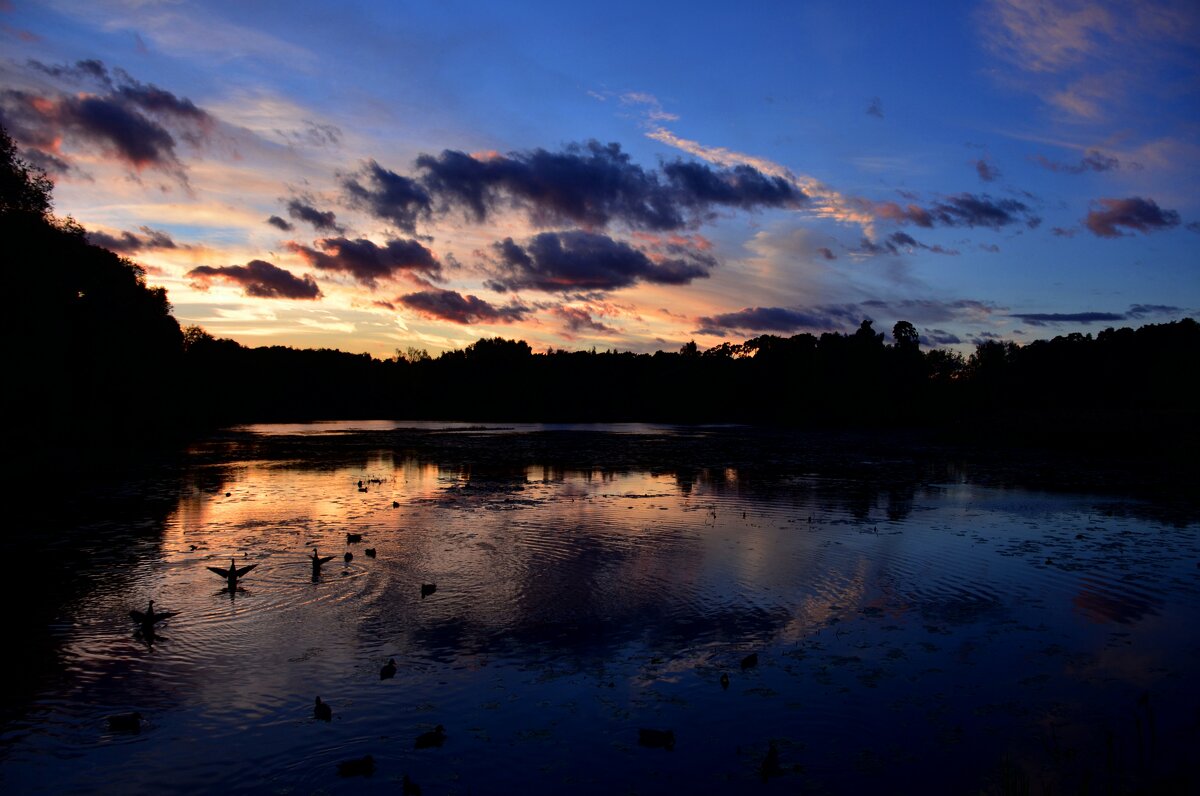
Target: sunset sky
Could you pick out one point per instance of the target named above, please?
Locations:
(372, 176)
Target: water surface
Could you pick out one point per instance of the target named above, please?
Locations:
(928, 633)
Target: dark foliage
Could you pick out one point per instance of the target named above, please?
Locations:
(1121, 389)
(84, 337)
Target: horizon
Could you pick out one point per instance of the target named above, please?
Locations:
(369, 182)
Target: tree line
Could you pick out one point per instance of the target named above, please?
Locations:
(96, 352)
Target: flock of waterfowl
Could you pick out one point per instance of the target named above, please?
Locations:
(322, 711)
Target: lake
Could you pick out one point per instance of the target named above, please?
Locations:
(885, 619)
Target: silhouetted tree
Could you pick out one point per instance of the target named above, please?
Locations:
(24, 189)
(95, 352)
(905, 335)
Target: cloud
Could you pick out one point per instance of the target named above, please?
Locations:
(826, 252)
(1043, 318)
(779, 319)
(898, 243)
(1092, 161)
(1047, 35)
(368, 262)
(130, 243)
(875, 108)
(936, 337)
(577, 260)
(1086, 58)
(653, 108)
(1142, 310)
(578, 320)
(282, 224)
(1136, 213)
(1064, 232)
(259, 278)
(1192, 226)
(930, 310)
(1135, 312)
(41, 122)
(450, 305)
(324, 221)
(745, 187)
(137, 122)
(595, 185)
(820, 199)
(388, 195)
(986, 171)
(960, 210)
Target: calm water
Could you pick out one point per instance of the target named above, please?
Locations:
(930, 636)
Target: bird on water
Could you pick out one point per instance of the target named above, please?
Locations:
(233, 573)
(358, 767)
(125, 722)
(656, 739)
(322, 711)
(150, 618)
(435, 737)
(317, 562)
(427, 589)
(388, 670)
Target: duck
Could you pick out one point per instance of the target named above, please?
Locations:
(388, 670)
(322, 711)
(724, 681)
(427, 589)
(770, 765)
(233, 573)
(348, 557)
(395, 504)
(150, 618)
(317, 562)
(125, 722)
(435, 737)
(750, 661)
(656, 739)
(370, 551)
(351, 538)
(358, 767)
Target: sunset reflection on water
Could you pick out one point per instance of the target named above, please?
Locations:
(895, 624)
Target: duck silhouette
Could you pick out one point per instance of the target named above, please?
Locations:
(317, 561)
(370, 551)
(657, 739)
(724, 681)
(770, 765)
(125, 722)
(233, 573)
(427, 589)
(353, 537)
(358, 767)
(750, 661)
(435, 737)
(322, 711)
(147, 620)
(388, 670)
(348, 557)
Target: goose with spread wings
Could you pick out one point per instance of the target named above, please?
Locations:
(147, 620)
(317, 561)
(233, 573)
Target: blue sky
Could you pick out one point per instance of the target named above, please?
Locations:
(630, 176)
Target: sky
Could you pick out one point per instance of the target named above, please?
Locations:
(384, 176)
